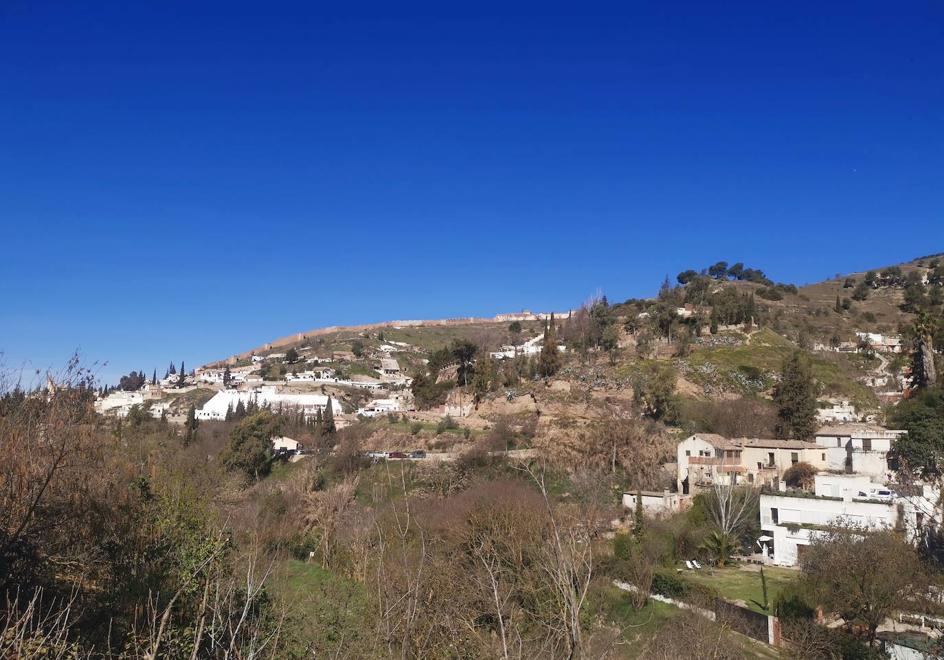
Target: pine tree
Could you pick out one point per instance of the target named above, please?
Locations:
(328, 419)
(795, 397)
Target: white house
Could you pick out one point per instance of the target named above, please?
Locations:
(389, 367)
(791, 520)
(858, 448)
(654, 503)
(283, 443)
(118, 403)
(837, 411)
(311, 375)
(379, 407)
(531, 347)
(881, 343)
(225, 400)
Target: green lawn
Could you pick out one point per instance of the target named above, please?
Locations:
(739, 584)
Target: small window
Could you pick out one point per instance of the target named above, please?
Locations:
(824, 456)
(750, 477)
(775, 516)
(794, 458)
(688, 452)
(770, 458)
(867, 444)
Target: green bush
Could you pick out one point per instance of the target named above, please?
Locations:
(669, 584)
(793, 602)
(623, 546)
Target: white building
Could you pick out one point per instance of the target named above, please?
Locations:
(654, 503)
(267, 396)
(881, 343)
(858, 448)
(118, 403)
(379, 407)
(531, 347)
(311, 375)
(282, 443)
(790, 521)
(837, 411)
(389, 367)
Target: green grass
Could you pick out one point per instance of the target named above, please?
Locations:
(325, 610)
(640, 625)
(750, 368)
(733, 583)
(616, 605)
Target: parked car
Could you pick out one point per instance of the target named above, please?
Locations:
(418, 454)
(397, 454)
(878, 494)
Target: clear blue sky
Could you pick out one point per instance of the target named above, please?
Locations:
(184, 180)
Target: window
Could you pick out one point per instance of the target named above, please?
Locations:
(760, 465)
(750, 477)
(775, 516)
(867, 444)
(794, 458)
(688, 452)
(770, 458)
(824, 456)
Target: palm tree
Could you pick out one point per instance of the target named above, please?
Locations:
(720, 547)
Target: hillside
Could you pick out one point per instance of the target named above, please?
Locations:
(720, 335)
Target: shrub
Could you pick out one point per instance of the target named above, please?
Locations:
(669, 584)
(415, 428)
(800, 475)
(623, 546)
(793, 603)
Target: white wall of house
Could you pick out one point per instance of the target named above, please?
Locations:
(216, 407)
(282, 443)
(788, 519)
(653, 503)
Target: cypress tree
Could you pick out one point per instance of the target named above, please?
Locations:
(795, 397)
(154, 378)
(190, 426)
(172, 370)
(923, 369)
(838, 306)
(328, 419)
(549, 360)
(637, 516)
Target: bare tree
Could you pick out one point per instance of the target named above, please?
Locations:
(567, 567)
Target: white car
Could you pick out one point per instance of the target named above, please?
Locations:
(878, 494)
